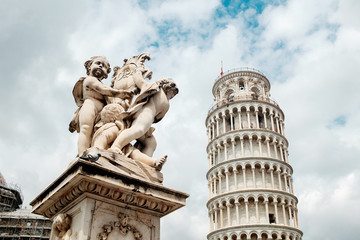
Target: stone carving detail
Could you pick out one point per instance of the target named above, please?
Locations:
(126, 197)
(122, 226)
(62, 226)
(110, 118)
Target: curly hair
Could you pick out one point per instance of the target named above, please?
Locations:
(88, 63)
(168, 84)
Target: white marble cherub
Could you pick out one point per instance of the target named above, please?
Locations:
(109, 127)
(154, 109)
(89, 95)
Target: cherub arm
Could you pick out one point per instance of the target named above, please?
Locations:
(99, 87)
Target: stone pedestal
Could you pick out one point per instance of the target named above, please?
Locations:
(108, 199)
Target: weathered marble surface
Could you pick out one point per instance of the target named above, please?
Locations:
(111, 117)
(99, 200)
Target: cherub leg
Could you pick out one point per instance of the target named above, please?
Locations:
(149, 145)
(156, 163)
(139, 127)
(106, 137)
(86, 121)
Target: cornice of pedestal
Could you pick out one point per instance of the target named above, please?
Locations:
(89, 180)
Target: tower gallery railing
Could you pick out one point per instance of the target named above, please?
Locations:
(239, 69)
(226, 102)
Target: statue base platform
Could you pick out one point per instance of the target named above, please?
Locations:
(107, 203)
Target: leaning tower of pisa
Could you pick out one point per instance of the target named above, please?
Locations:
(251, 193)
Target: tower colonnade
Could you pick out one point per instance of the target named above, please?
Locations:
(251, 193)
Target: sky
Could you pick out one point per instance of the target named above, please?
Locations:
(309, 50)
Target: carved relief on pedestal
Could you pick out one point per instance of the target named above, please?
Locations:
(62, 226)
(121, 227)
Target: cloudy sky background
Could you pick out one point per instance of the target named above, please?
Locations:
(309, 50)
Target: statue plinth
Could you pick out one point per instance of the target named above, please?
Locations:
(107, 200)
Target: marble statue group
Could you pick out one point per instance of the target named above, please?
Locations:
(119, 117)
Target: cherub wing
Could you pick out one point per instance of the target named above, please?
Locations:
(78, 92)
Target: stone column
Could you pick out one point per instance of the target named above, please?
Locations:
(282, 127)
(214, 155)
(290, 215)
(260, 147)
(220, 182)
(275, 149)
(221, 217)
(244, 177)
(218, 152)
(272, 121)
(276, 212)
(253, 176)
(267, 211)
(272, 177)
(228, 205)
(257, 211)
(240, 122)
(247, 211)
(225, 151)
(248, 117)
(291, 184)
(295, 218)
(278, 171)
(217, 125)
(265, 119)
(267, 140)
(251, 146)
(213, 129)
(235, 171)
(208, 132)
(227, 180)
(283, 210)
(257, 119)
(286, 155)
(277, 124)
(209, 160)
(224, 124)
(211, 220)
(216, 219)
(233, 148)
(231, 122)
(285, 182)
(215, 187)
(281, 152)
(242, 147)
(237, 213)
(263, 176)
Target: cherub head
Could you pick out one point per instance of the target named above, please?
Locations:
(169, 87)
(98, 67)
(111, 113)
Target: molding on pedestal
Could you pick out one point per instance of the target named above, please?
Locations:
(84, 179)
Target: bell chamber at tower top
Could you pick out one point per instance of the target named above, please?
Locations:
(240, 84)
(242, 101)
